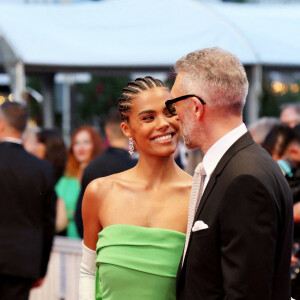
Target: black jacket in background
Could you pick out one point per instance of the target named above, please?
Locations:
(27, 212)
(111, 161)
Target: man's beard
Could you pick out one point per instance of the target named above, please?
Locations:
(186, 130)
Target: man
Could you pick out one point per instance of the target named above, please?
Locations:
(113, 160)
(27, 209)
(290, 114)
(239, 246)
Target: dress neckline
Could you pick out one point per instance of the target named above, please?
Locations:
(141, 228)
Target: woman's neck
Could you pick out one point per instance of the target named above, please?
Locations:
(156, 170)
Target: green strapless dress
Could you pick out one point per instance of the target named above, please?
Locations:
(137, 263)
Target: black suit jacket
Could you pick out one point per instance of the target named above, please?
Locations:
(111, 161)
(27, 212)
(245, 253)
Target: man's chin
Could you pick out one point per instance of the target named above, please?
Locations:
(190, 147)
(188, 144)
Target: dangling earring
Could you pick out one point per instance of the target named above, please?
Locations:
(131, 146)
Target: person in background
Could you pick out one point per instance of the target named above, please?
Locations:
(113, 160)
(290, 114)
(27, 209)
(240, 226)
(51, 147)
(30, 139)
(48, 144)
(86, 144)
(283, 144)
(261, 127)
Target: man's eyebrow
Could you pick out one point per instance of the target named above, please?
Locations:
(146, 112)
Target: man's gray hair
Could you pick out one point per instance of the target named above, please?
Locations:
(217, 75)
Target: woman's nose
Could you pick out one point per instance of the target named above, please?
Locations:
(163, 123)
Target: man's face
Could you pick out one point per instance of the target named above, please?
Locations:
(185, 115)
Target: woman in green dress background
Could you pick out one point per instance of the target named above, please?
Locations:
(135, 221)
(85, 145)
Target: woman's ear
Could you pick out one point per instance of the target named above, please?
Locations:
(126, 130)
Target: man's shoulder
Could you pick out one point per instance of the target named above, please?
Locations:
(255, 162)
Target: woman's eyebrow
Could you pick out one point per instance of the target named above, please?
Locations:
(146, 112)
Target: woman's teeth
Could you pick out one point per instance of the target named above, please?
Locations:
(163, 138)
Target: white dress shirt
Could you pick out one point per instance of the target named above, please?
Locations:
(218, 149)
(12, 140)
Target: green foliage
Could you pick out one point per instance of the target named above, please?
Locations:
(96, 98)
(270, 102)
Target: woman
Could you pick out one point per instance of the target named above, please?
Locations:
(86, 144)
(136, 220)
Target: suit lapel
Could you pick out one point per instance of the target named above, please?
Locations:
(244, 141)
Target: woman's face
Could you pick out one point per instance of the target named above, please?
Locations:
(83, 147)
(154, 130)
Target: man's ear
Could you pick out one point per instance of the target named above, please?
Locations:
(197, 108)
(126, 130)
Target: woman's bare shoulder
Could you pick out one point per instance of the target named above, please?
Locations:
(106, 183)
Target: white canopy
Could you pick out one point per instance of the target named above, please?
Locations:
(128, 35)
(134, 33)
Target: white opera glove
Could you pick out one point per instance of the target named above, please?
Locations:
(87, 274)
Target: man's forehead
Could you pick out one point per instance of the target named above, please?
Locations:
(176, 89)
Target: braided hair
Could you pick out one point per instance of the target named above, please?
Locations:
(134, 88)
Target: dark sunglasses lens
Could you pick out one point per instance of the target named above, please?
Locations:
(172, 109)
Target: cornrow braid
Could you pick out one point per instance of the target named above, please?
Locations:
(134, 88)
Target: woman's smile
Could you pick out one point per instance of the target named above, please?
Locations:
(164, 138)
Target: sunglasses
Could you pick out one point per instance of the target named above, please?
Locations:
(170, 104)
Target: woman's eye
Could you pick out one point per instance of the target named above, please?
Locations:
(146, 118)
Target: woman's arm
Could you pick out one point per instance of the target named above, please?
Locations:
(61, 221)
(91, 223)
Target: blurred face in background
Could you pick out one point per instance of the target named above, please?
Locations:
(83, 147)
(290, 117)
(32, 144)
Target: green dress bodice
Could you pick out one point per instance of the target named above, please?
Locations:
(137, 263)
